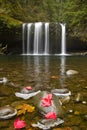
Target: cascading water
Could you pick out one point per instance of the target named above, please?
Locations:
(23, 37)
(46, 52)
(37, 38)
(63, 39)
(28, 37)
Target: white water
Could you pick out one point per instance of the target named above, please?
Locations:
(37, 38)
(28, 37)
(37, 43)
(23, 37)
(46, 52)
(63, 39)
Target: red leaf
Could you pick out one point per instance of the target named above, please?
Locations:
(51, 115)
(28, 88)
(47, 101)
(18, 124)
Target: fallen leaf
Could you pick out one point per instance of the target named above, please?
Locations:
(19, 124)
(76, 113)
(28, 88)
(22, 109)
(54, 77)
(47, 101)
(51, 115)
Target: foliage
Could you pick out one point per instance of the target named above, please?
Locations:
(31, 11)
(74, 13)
(9, 22)
(22, 109)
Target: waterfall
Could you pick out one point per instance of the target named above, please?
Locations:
(46, 52)
(63, 39)
(37, 38)
(28, 37)
(23, 37)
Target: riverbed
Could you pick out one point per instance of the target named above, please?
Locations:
(45, 73)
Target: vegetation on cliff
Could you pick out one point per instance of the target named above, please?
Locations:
(74, 13)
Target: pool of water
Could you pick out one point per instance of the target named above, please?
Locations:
(46, 73)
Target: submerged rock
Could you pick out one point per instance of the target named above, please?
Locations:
(48, 103)
(85, 117)
(84, 102)
(65, 100)
(25, 95)
(61, 92)
(71, 72)
(3, 80)
(26, 91)
(78, 98)
(46, 124)
(7, 112)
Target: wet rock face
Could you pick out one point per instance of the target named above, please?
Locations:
(55, 107)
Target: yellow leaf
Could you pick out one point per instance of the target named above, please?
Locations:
(22, 109)
(76, 113)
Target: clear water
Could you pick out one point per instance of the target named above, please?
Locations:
(46, 72)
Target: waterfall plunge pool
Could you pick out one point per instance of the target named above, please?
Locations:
(46, 73)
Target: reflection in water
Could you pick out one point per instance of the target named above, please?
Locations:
(47, 74)
(62, 71)
(41, 71)
(26, 64)
(27, 67)
(37, 69)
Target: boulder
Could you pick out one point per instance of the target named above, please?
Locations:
(56, 106)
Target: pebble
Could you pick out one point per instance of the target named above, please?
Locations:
(84, 102)
(85, 117)
(71, 111)
(71, 72)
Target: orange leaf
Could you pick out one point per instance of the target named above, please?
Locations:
(54, 77)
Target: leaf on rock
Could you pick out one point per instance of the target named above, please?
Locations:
(22, 109)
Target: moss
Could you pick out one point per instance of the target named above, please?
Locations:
(9, 22)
